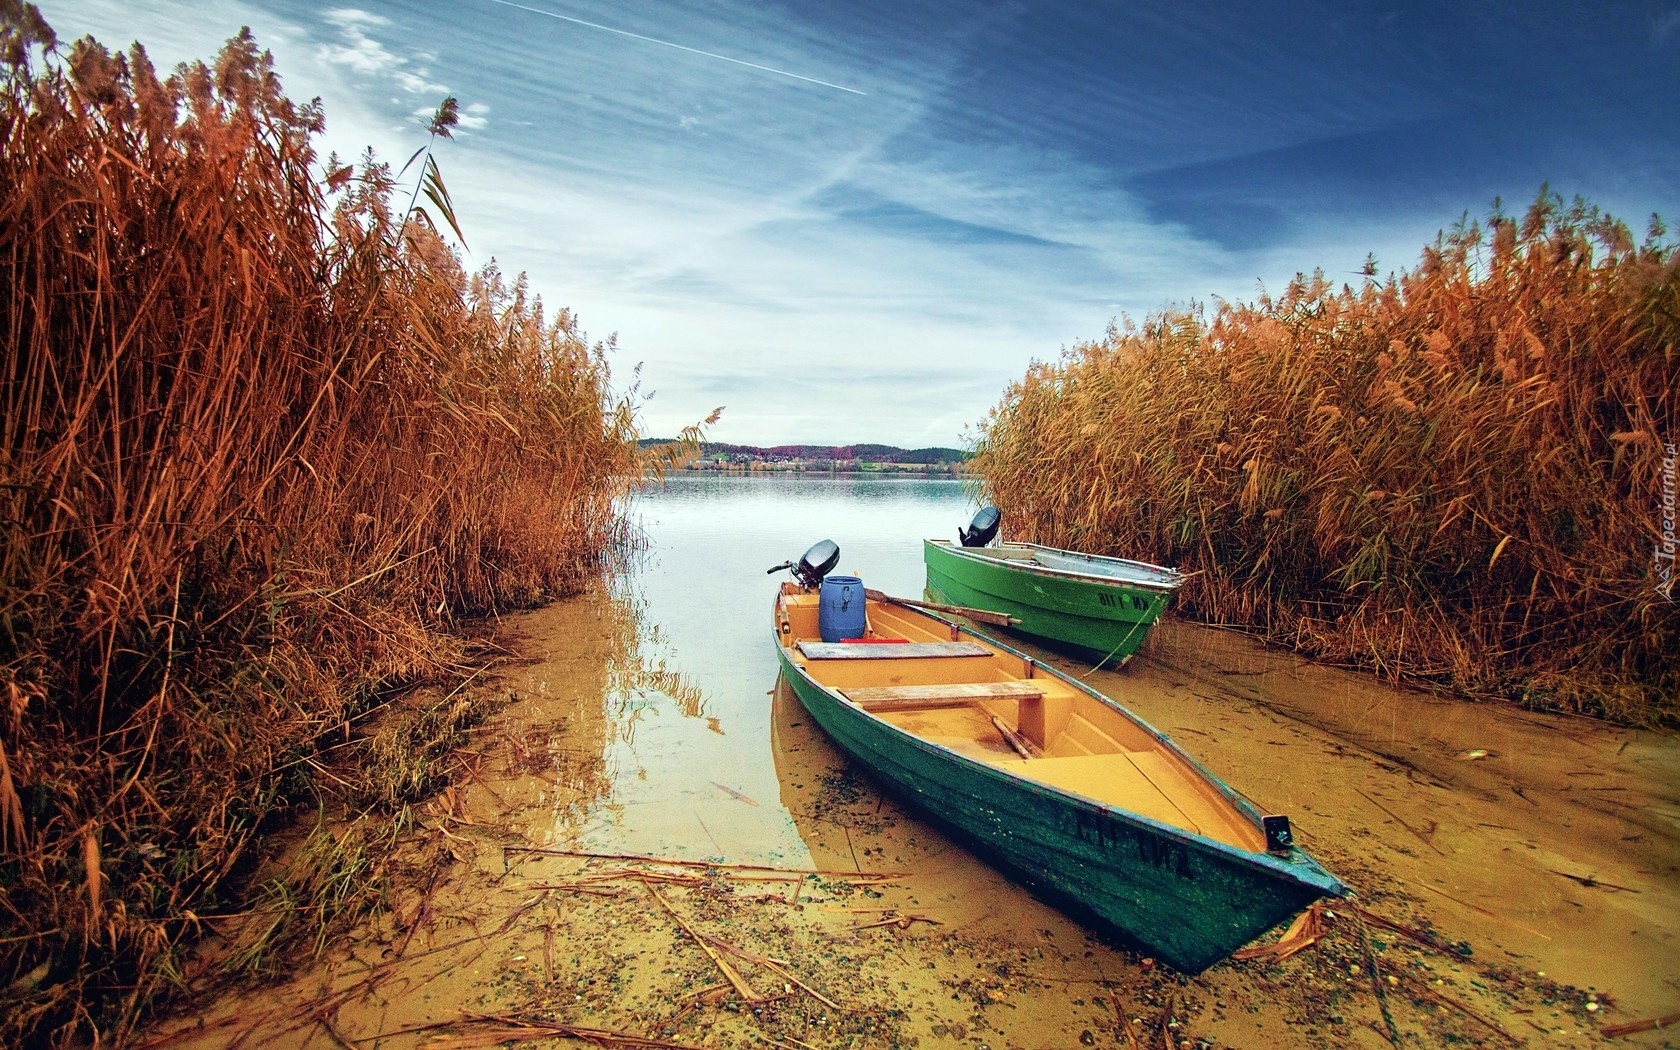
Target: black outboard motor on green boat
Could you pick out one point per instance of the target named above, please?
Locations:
(813, 565)
(981, 530)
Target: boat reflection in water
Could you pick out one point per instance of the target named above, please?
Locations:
(848, 825)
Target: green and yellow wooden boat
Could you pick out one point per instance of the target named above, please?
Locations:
(1101, 606)
(1056, 784)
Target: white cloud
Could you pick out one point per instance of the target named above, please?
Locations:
(415, 83)
(352, 16)
(361, 51)
(357, 49)
(474, 116)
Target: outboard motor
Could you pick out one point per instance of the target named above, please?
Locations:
(981, 530)
(813, 565)
(817, 562)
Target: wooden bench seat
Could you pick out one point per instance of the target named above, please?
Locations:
(900, 697)
(889, 650)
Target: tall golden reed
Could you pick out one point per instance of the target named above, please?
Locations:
(263, 442)
(1451, 476)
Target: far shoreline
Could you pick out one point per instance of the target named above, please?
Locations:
(934, 473)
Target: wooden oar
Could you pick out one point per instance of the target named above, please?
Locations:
(981, 615)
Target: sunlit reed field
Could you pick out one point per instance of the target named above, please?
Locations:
(1453, 476)
(264, 442)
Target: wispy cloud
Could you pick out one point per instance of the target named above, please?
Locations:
(356, 47)
(837, 266)
(474, 116)
(417, 82)
(672, 44)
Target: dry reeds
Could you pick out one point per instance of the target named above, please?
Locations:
(1456, 475)
(263, 440)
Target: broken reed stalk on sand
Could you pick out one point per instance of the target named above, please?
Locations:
(723, 966)
(265, 441)
(821, 872)
(1453, 475)
(1649, 1024)
(1392, 1032)
(777, 967)
(1308, 927)
(1303, 933)
(502, 1028)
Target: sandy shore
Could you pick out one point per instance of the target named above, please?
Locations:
(1518, 881)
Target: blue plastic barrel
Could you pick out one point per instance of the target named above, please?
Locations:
(840, 608)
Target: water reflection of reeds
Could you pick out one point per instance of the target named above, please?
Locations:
(578, 708)
(608, 672)
(641, 675)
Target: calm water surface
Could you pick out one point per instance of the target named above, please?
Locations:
(1549, 841)
(691, 767)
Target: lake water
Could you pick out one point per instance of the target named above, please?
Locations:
(703, 598)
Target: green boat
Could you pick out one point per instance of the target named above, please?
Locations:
(1100, 606)
(1069, 792)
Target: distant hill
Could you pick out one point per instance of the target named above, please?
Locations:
(814, 453)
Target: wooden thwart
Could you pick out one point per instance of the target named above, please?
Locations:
(893, 697)
(889, 650)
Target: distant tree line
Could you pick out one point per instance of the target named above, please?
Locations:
(870, 453)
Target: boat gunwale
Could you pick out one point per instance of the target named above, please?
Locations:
(977, 554)
(1298, 865)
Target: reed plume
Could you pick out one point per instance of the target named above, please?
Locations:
(1453, 476)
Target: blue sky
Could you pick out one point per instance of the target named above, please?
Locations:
(858, 221)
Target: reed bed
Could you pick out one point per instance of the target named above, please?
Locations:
(265, 441)
(1453, 476)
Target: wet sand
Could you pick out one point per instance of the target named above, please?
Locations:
(1529, 865)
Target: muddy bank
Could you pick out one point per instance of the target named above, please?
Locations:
(1549, 841)
(1526, 867)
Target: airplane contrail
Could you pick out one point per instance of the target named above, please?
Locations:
(679, 47)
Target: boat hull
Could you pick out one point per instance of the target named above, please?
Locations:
(1104, 619)
(1172, 894)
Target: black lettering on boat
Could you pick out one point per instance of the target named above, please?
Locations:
(1084, 827)
(1107, 833)
(1162, 853)
(1099, 829)
(1150, 849)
